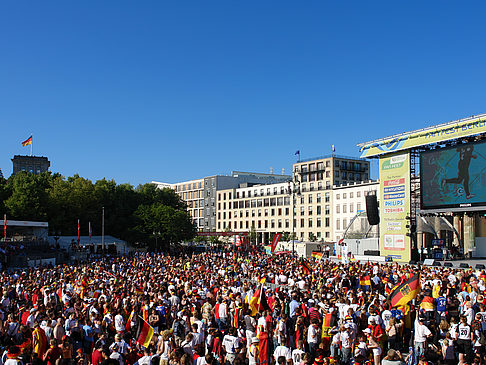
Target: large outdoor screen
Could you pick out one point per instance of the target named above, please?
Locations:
(453, 177)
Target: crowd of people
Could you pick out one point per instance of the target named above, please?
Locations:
(243, 307)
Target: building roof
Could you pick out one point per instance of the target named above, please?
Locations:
(422, 130)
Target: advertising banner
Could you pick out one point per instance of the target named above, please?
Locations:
(461, 128)
(395, 206)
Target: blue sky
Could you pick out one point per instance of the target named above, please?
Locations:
(176, 90)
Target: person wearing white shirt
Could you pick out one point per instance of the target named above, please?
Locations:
(119, 323)
(421, 334)
(313, 338)
(282, 350)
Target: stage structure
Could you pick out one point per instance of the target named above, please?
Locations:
(438, 171)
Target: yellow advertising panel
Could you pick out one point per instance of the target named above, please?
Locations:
(395, 206)
(461, 128)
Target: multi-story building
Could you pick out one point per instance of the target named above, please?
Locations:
(192, 192)
(315, 179)
(32, 164)
(273, 208)
(264, 209)
(350, 200)
(202, 198)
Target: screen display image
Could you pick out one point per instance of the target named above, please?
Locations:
(454, 177)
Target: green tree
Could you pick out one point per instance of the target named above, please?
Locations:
(164, 224)
(29, 196)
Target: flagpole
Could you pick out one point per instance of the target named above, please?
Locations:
(260, 298)
(5, 231)
(31, 146)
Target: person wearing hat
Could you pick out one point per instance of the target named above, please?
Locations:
(253, 351)
(422, 332)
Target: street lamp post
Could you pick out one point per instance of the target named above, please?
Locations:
(294, 190)
(103, 230)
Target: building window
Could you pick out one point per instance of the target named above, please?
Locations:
(310, 210)
(328, 222)
(358, 194)
(302, 210)
(328, 210)
(302, 223)
(318, 212)
(351, 208)
(318, 223)
(338, 210)
(287, 223)
(318, 197)
(338, 196)
(345, 223)
(358, 206)
(338, 224)
(327, 197)
(310, 198)
(310, 222)
(344, 208)
(344, 196)
(328, 234)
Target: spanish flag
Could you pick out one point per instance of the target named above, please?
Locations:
(406, 291)
(27, 141)
(365, 280)
(145, 333)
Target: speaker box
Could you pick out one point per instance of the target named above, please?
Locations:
(372, 210)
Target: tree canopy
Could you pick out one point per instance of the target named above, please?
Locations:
(142, 214)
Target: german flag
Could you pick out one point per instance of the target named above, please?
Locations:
(365, 280)
(128, 325)
(406, 291)
(258, 302)
(145, 333)
(305, 266)
(27, 141)
(317, 255)
(427, 303)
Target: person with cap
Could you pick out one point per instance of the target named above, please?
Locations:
(421, 333)
(253, 351)
(374, 346)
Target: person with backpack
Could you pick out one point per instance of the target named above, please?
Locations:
(179, 329)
